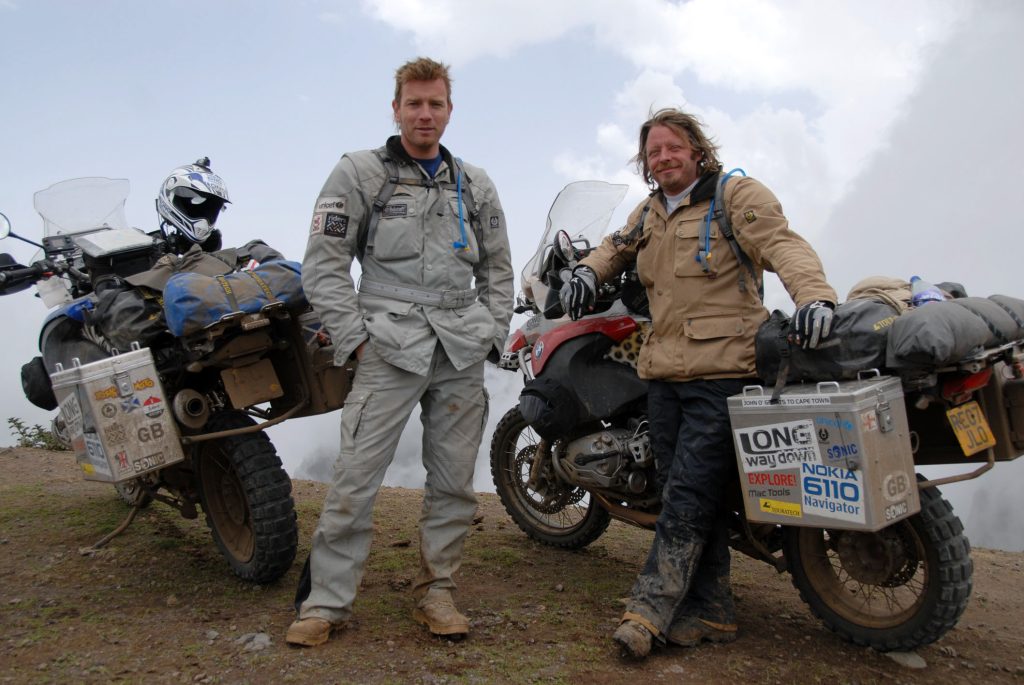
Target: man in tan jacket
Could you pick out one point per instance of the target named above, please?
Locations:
(705, 302)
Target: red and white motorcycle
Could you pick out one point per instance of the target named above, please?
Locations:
(881, 562)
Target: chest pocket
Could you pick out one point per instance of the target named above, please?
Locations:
(399, 235)
(687, 232)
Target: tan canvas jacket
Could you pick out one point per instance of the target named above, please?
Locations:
(703, 324)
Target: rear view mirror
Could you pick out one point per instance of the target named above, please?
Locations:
(5, 226)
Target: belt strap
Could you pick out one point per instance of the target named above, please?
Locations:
(445, 299)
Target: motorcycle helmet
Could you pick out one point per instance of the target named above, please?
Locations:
(191, 199)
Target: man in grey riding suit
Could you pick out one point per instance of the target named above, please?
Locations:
(434, 300)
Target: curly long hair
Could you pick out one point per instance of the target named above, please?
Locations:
(686, 126)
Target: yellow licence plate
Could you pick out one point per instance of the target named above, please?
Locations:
(971, 428)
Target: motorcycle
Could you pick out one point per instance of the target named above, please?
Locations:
(180, 420)
(575, 453)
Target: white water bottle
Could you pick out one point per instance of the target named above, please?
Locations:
(922, 292)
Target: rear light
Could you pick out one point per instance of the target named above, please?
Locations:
(965, 385)
(516, 342)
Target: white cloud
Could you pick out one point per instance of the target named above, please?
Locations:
(850, 65)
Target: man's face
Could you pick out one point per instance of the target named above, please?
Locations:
(422, 114)
(671, 159)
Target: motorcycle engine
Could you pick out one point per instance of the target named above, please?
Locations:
(614, 459)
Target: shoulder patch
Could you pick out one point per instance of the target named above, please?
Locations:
(317, 226)
(750, 216)
(336, 225)
(327, 204)
(495, 221)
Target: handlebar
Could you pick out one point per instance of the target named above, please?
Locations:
(25, 273)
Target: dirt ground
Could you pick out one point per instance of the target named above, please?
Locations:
(159, 605)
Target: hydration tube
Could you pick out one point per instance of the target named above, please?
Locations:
(460, 244)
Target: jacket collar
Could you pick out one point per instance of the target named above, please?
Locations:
(398, 153)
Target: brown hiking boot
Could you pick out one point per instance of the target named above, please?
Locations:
(310, 632)
(633, 639)
(438, 613)
(690, 631)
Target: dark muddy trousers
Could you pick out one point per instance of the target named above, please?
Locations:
(687, 569)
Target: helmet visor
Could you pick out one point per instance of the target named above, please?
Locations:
(197, 205)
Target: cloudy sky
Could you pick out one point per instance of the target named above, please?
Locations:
(890, 131)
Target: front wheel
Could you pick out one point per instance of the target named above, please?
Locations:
(247, 497)
(895, 589)
(550, 511)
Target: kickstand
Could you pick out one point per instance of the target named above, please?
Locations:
(88, 551)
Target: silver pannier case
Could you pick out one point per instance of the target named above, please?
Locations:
(117, 417)
(827, 455)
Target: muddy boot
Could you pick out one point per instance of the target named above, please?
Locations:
(438, 613)
(690, 631)
(310, 632)
(635, 635)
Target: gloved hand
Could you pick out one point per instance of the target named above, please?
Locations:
(579, 294)
(811, 324)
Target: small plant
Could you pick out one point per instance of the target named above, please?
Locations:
(34, 436)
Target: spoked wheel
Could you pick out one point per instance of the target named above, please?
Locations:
(246, 495)
(895, 589)
(549, 511)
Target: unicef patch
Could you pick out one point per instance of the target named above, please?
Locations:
(336, 225)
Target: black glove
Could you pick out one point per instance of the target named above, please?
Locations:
(811, 324)
(579, 294)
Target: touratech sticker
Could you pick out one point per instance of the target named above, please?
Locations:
(772, 506)
(326, 204)
(750, 216)
(336, 225)
(317, 227)
(777, 446)
(393, 210)
(495, 222)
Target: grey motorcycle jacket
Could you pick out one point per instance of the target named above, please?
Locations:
(424, 279)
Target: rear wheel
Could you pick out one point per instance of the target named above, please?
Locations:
(550, 511)
(895, 589)
(246, 495)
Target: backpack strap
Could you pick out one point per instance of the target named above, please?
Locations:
(717, 212)
(368, 228)
(629, 238)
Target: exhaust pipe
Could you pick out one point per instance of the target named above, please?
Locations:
(191, 409)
